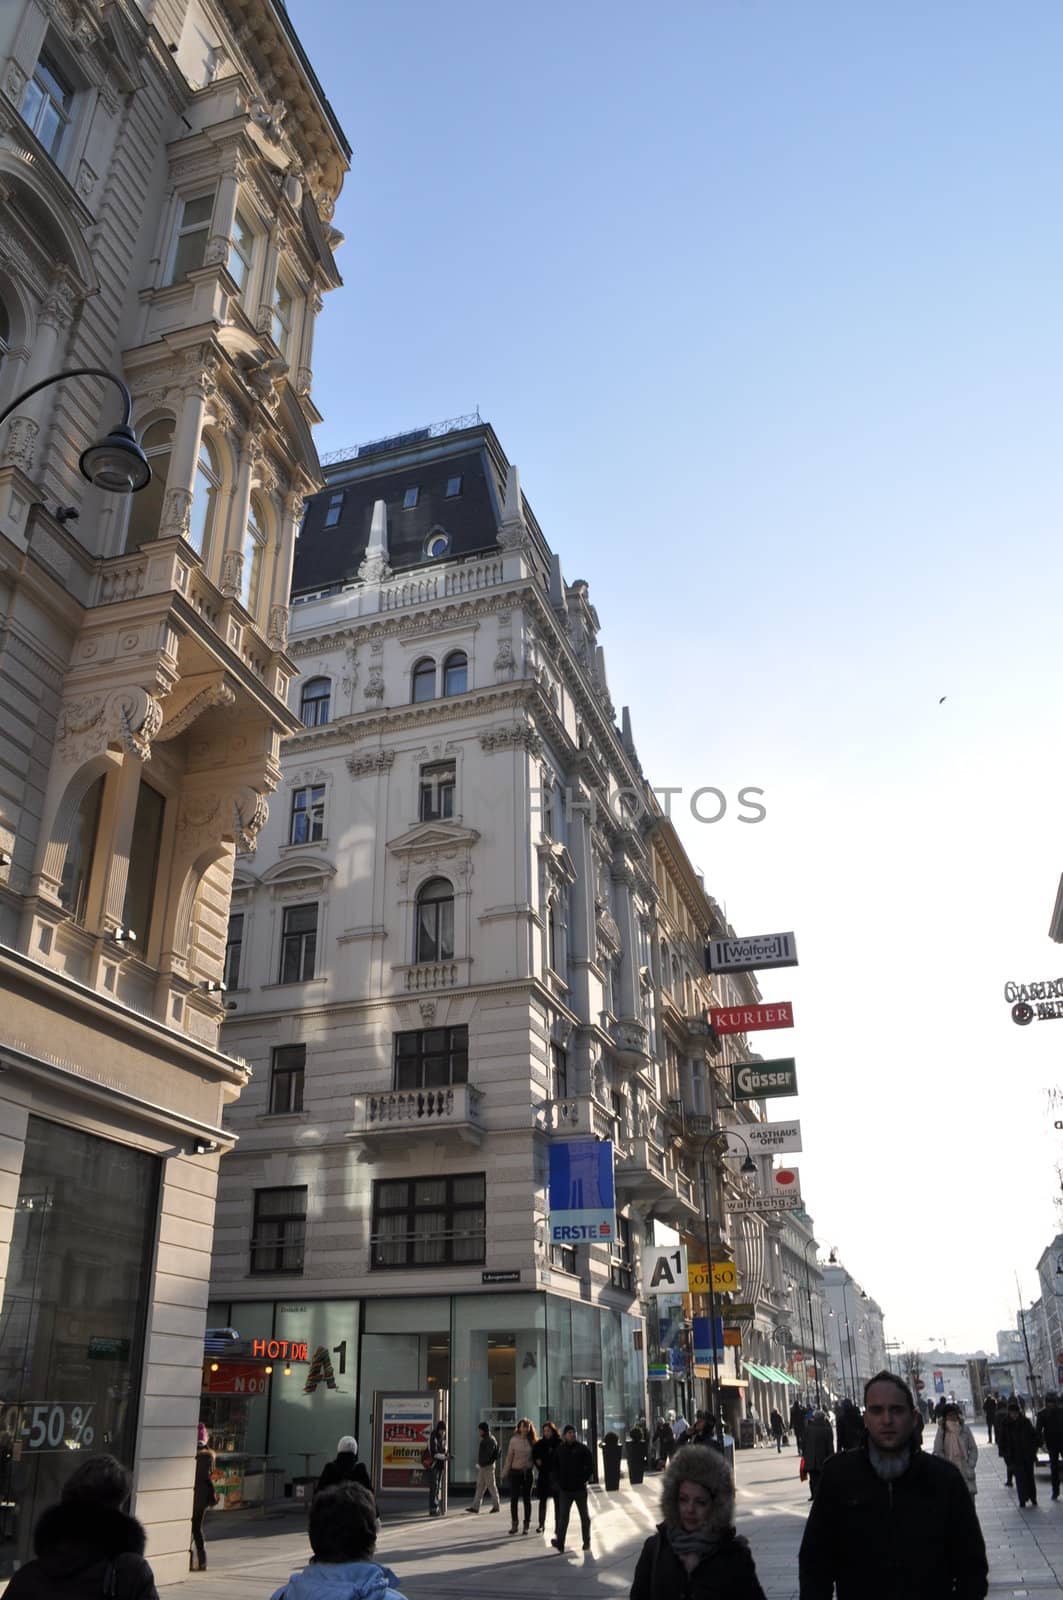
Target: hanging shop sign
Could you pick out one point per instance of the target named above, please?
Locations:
(724, 1278)
(1035, 1002)
(741, 1310)
(764, 1080)
(582, 1198)
(664, 1270)
(765, 1139)
(763, 1202)
(784, 1181)
(657, 1371)
(733, 1336)
(751, 1019)
(703, 1345)
(749, 955)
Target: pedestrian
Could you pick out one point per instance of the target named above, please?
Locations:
(917, 1432)
(343, 1538)
(1002, 1443)
(778, 1428)
(1022, 1453)
(1050, 1435)
(889, 1522)
(797, 1423)
(696, 1552)
(486, 1456)
(88, 1545)
(956, 1442)
(544, 1455)
(990, 1410)
(818, 1449)
(437, 1472)
(517, 1472)
(702, 1430)
(204, 1495)
(850, 1426)
(663, 1442)
(575, 1468)
(345, 1467)
(679, 1425)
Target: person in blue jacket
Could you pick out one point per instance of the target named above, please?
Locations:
(343, 1538)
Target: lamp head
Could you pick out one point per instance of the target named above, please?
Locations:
(748, 1165)
(116, 464)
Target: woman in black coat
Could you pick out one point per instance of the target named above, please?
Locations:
(544, 1455)
(696, 1553)
(346, 1468)
(87, 1545)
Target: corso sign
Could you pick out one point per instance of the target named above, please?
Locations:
(764, 1080)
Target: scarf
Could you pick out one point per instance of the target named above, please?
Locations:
(699, 1544)
(954, 1450)
(888, 1467)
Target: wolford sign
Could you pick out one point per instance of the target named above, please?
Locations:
(748, 1019)
(764, 1080)
(747, 955)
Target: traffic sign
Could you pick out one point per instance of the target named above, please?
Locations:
(764, 1080)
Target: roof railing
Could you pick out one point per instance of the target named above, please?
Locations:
(395, 441)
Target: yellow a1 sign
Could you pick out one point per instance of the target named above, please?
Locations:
(724, 1277)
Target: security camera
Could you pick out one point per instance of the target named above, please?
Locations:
(231, 1005)
(66, 513)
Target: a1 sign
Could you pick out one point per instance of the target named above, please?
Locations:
(664, 1271)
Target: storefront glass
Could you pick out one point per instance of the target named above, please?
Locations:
(315, 1403)
(405, 1348)
(498, 1346)
(73, 1317)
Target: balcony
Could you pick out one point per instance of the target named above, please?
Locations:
(424, 976)
(577, 1114)
(438, 1113)
(643, 1173)
(629, 1040)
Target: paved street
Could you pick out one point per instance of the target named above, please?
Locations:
(462, 1558)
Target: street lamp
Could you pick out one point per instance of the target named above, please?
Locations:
(116, 463)
(811, 1324)
(748, 1166)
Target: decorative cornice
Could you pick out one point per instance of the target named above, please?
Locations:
(372, 761)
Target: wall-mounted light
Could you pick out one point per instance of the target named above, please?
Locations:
(287, 1369)
(124, 936)
(269, 1369)
(214, 1366)
(212, 986)
(203, 1147)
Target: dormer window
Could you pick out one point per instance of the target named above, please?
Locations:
(46, 102)
(436, 545)
(334, 509)
(410, 498)
(453, 487)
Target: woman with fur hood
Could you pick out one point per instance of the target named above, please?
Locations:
(88, 1545)
(696, 1553)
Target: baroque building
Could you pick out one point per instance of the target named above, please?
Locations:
(168, 173)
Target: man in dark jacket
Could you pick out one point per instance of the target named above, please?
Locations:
(798, 1414)
(1022, 1452)
(990, 1409)
(575, 1468)
(87, 1545)
(486, 1480)
(1050, 1435)
(818, 1449)
(1002, 1442)
(346, 1468)
(890, 1523)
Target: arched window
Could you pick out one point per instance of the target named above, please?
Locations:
(204, 497)
(254, 549)
(551, 935)
(316, 701)
(74, 884)
(145, 513)
(435, 921)
(424, 679)
(5, 332)
(456, 673)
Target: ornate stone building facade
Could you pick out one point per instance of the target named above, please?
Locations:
(168, 172)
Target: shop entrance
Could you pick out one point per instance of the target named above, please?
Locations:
(587, 1399)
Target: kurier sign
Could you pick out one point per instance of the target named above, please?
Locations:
(751, 1019)
(764, 1080)
(749, 955)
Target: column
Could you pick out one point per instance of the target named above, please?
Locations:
(177, 506)
(232, 559)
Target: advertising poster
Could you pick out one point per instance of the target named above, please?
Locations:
(406, 1423)
(582, 1200)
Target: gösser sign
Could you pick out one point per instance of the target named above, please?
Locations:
(747, 955)
(764, 1080)
(766, 1139)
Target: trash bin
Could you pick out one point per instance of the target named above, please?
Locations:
(727, 1450)
(747, 1433)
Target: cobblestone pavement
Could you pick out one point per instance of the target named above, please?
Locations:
(464, 1558)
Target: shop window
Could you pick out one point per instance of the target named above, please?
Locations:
(558, 1073)
(435, 921)
(334, 509)
(143, 863)
(145, 512)
(278, 1235)
(241, 252)
(234, 950)
(431, 1058)
(426, 1222)
(316, 702)
(46, 102)
(298, 944)
(190, 240)
(74, 884)
(308, 815)
(205, 487)
(621, 1273)
(456, 673)
(287, 1076)
(424, 680)
(437, 791)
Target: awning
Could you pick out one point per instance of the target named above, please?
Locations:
(768, 1374)
(757, 1372)
(780, 1376)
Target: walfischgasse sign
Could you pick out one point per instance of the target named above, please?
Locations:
(1029, 1001)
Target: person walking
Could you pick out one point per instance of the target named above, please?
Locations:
(696, 1551)
(437, 1472)
(486, 1456)
(1022, 1453)
(345, 1467)
(663, 1442)
(889, 1522)
(88, 1545)
(778, 1428)
(517, 1472)
(955, 1441)
(798, 1416)
(343, 1528)
(575, 1468)
(544, 1455)
(1002, 1443)
(1050, 1435)
(204, 1495)
(990, 1411)
(819, 1447)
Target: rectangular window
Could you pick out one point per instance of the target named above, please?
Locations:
(308, 815)
(193, 231)
(437, 791)
(46, 102)
(620, 1268)
(409, 499)
(282, 318)
(287, 1075)
(143, 863)
(298, 944)
(241, 252)
(335, 508)
(558, 1073)
(432, 1058)
(453, 487)
(278, 1234)
(234, 950)
(428, 1222)
(563, 1256)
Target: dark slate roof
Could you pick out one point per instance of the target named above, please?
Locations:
(328, 557)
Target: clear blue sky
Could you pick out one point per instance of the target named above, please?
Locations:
(764, 300)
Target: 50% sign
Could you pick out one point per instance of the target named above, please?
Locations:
(50, 1424)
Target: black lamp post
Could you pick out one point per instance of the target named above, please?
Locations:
(116, 463)
(811, 1323)
(748, 1166)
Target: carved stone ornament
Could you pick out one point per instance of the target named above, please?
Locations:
(250, 813)
(277, 632)
(176, 514)
(15, 82)
(86, 180)
(428, 1013)
(215, 694)
(504, 662)
(507, 736)
(232, 574)
(129, 717)
(372, 761)
(514, 535)
(374, 689)
(21, 444)
(217, 252)
(373, 569)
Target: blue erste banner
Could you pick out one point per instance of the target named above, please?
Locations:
(703, 1342)
(582, 1199)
